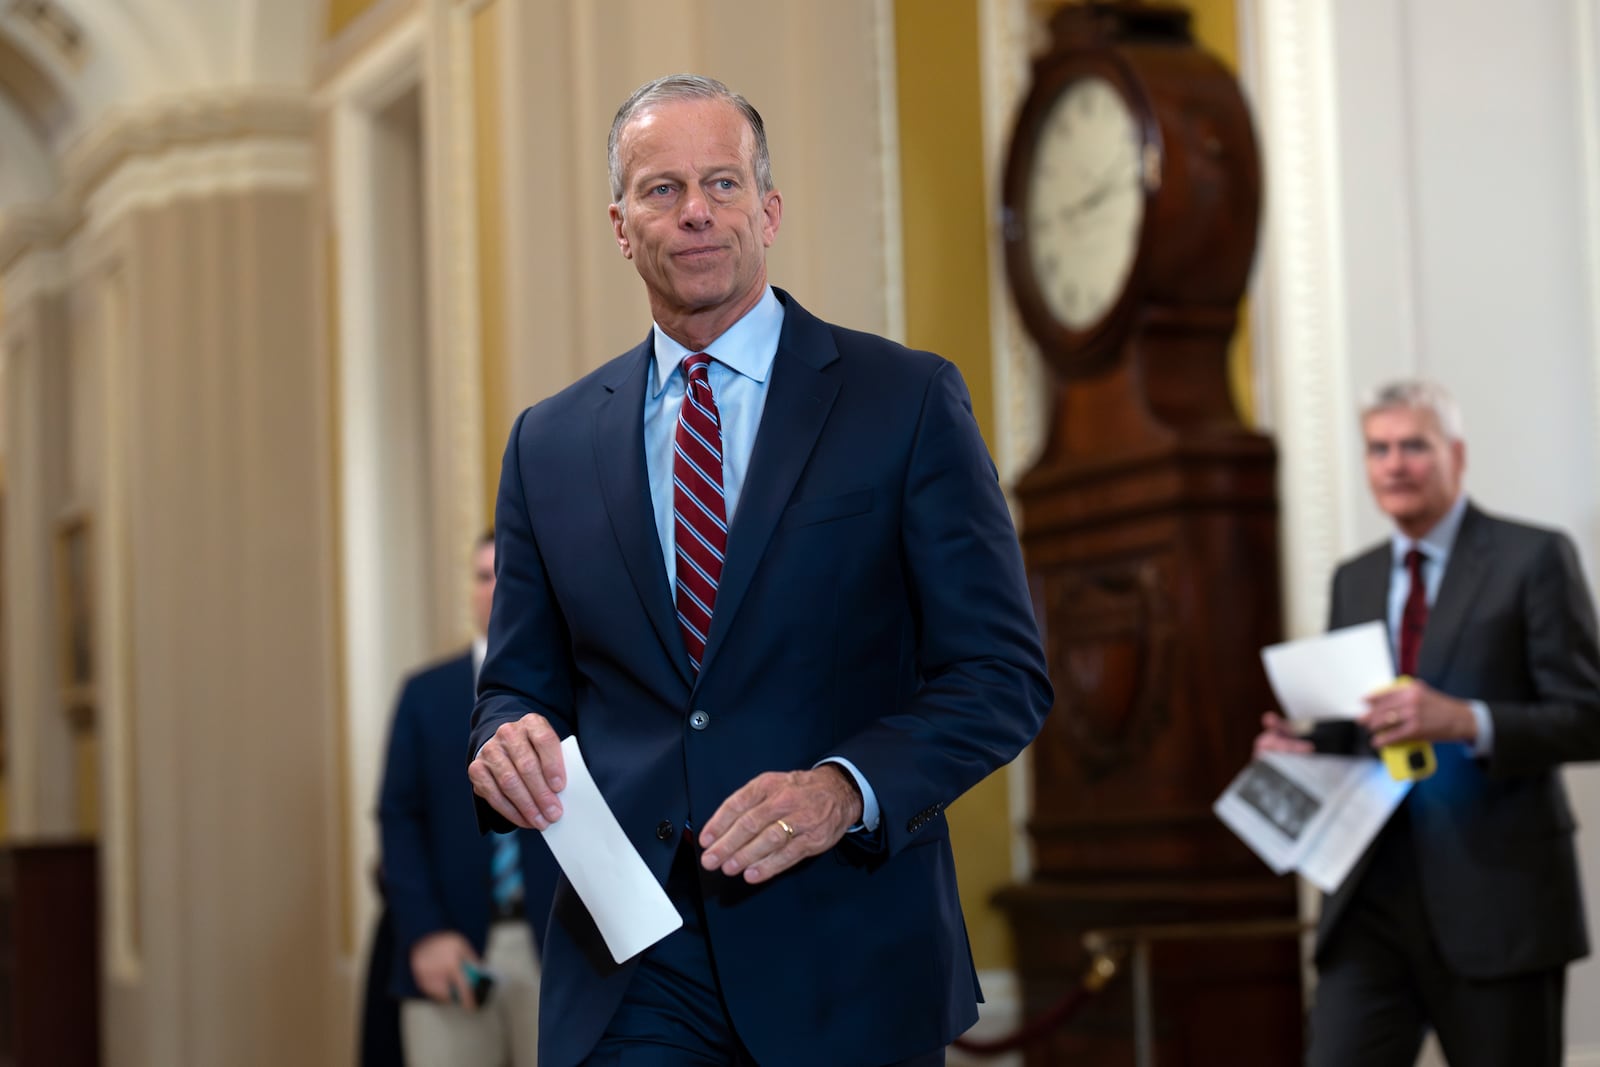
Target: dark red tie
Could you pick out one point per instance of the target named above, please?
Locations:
(700, 522)
(1414, 616)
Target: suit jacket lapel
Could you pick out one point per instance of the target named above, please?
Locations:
(798, 402)
(1469, 560)
(625, 486)
(1369, 589)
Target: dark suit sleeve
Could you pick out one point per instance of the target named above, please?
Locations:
(523, 671)
(1563, 723)
(402, 818)
(984, 690)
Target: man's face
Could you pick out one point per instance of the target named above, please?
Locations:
(692, 218)
(1414, 470)
(482, 587)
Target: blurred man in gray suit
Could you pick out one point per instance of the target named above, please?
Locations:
(1466, 910)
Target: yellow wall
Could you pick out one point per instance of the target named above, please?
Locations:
(944, 216)
(341, 13)
(944, 209)
(1216, 27)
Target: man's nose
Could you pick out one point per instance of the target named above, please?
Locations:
(696, 213)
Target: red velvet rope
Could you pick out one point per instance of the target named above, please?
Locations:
(1101, 971)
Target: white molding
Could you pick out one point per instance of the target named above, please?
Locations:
(1302, 314)
(1587, 47)
(1022, 381)
(999, 1016)
(210, 116)
(355, 99)
(200, 145)
(121, 876)
(375, 77)
(192, 172)
(41, 269)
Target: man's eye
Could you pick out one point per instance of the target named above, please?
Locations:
(660, 190)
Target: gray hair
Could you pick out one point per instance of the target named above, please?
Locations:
(685, 87)
(1421, 395)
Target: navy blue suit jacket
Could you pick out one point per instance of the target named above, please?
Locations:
(435, 860)
(872, 605)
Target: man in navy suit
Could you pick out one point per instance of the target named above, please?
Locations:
(459, 901)
(786, 620)
(1466, 909)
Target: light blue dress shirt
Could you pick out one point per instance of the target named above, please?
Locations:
(1435, 546)
(740, 371)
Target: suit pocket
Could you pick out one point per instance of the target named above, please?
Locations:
(827, 509)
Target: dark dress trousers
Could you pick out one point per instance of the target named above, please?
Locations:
(872, 605)
(435, 859)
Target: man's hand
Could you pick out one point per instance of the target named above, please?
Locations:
(779, 819)
(519, 771)
(436, 962)
(1415, 711)
(1275, 736)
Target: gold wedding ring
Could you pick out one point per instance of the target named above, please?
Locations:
(787, 829)
(1394, 718)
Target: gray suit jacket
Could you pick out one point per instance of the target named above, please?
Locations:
(1513, 626)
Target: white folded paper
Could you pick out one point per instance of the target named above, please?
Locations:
(1331, 675)
(610, 877)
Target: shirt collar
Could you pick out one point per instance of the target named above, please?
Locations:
(748, 346)
(1438, 541)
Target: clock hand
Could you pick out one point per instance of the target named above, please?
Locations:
(1088, 202)
(1105, 187)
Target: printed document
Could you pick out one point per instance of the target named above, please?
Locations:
(1317, 814)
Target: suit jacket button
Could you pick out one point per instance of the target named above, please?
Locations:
(664, 830)
(700, 720)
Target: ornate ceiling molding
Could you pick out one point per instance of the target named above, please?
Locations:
(228, 141)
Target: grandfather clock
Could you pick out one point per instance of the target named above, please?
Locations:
(1131, 203)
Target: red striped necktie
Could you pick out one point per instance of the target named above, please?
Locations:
(699, 516)
(1414, 615)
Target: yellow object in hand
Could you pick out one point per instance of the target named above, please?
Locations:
(1410, 760)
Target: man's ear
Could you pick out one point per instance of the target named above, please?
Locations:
(616, 228)
(772, 216)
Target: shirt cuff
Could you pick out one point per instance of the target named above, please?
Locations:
(869, 799)
(1484, 745)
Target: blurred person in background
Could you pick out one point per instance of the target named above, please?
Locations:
(463, 904)
(1466, 910)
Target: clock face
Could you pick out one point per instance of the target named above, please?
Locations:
(1085, 202)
